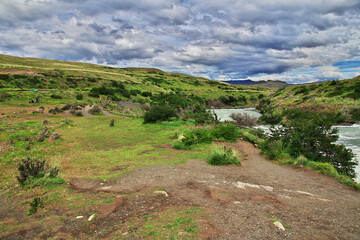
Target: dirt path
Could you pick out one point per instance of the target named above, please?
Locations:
(244, 201)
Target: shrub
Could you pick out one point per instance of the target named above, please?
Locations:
(160, 113)
(76, 113)
(30, 169)
(79, 96)
(274, 150)
(226, 131)
(313, 138)
(95, 110)
(226, 157)
(271, 118)
(181, 146)
(55, 110)
(4, 96)
(355, 114)
(55, 96)
(36, 203)
(243, 119)
(200, 135)
(203, 117)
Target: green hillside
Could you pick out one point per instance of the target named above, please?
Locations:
(68, 77)
(341, 97)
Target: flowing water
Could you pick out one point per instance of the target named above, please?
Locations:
(348, 135)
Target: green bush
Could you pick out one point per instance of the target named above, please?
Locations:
(36, 203)
(79, 96)
(55, 96)
(355, 114)
(313, 138)
(160, 113)
(225, 157)
(324, 168)
(226, 131)
(198, 136)
(4, 96)
(32, 169)
(95, 110)
(181, 146)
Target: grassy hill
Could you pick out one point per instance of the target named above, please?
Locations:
(337, 96)
(25, 73)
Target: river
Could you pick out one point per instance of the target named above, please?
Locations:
(348, 135)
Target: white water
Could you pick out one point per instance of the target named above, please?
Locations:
(348, 135)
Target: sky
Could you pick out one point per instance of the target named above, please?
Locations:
(297, 41)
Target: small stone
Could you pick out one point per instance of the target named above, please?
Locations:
(236, 202)
(91, 217)
(162, 192)
(279, 225)
(79, 217)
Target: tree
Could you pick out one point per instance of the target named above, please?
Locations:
(315, 139)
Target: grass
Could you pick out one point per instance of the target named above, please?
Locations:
(173, 223)
(75, 78)
(324, 168)
(88, 149)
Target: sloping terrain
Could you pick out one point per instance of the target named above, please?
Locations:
(337, 96)
(26, 73)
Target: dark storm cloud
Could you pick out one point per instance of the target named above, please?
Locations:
(218, 39)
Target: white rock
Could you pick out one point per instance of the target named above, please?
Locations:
(161, 192)
(79, 217)
(91, 217)
(279, 226)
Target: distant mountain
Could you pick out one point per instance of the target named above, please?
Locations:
(268, 83)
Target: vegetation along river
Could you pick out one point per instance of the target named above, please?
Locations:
(348, 135)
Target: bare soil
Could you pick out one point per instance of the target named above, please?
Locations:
(243, 201)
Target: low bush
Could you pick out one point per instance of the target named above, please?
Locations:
(55, 96)
(160, 113)
(313, 138)
(95, 110)
(35, 204)
(226, 131)
(79, 96)
(355, 114)
(76, 113)
(30, 170)
(198, 136)
(4, 96)
(225, 157)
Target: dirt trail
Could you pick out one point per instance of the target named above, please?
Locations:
(244, 201)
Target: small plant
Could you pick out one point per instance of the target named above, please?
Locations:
(55, 110)
(76, 113)
(31, 169)
(36, 203)
(55, 96)
(95, 110)
(226, 157)
(160, 113)
(79, 96)
(200, 135)
(226, 131)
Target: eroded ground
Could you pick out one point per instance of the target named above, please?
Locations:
(192, 200)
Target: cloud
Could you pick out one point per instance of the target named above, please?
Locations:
(226, 39)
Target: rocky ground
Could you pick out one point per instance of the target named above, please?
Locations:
(243, 201)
